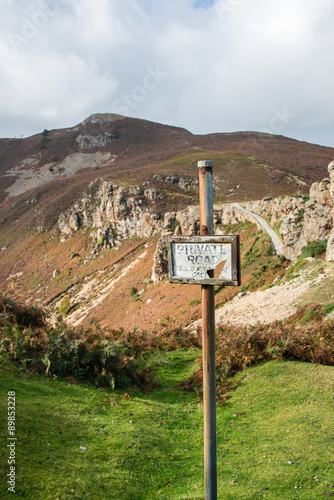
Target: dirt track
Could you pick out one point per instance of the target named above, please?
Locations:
(276, 303)
(274, 238)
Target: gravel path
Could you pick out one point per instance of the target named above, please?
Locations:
(274, 238)
(264, 307)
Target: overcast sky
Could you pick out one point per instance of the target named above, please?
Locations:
(205, 65)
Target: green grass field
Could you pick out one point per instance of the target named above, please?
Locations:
(275, 435)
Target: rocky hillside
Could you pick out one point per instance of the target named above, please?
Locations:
(86, 212)
(54, 167)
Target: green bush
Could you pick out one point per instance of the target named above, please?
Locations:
(87, 355)
(45, 134)
(133, 291)
(328, 308)
(270, 250)
(195, 302)
(175, 224)
(64, 306)
(313, 249)
(308, 316)
(101, 241)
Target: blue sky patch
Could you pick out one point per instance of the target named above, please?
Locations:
(203, 4)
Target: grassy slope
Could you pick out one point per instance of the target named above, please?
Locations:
(148, 446)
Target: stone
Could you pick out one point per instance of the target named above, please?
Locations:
(160, 259)
(330, 244)
(114, 212)
(94, 141)
(185, 184)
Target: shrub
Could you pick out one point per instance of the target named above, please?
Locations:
(133, 291)
(175, 224)
(195, 302)
(87, 355)
(45, 134)
(238, 348)
(270, 250)
(101, 240)
(313, 249)
(64, 306)
(308, 316)
(328, 308)
(14, 313)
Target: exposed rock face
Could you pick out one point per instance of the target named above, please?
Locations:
(160, 259)
(330, 244)
(94, 141)
(301, 220)
(177, 180)
(113, 213)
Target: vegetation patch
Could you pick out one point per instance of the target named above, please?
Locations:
(238, 348)
(195, 302)
(65, 305)
(175, 224)
(328, 308)
(313, 249)
(103, 357)
(45, 134)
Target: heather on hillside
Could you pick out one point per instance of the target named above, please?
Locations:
(115, 358)
(236, 349)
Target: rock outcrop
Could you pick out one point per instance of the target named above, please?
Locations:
(301, 220)
(112, 213)
(94, 141)
(177, 181)
(330, 244)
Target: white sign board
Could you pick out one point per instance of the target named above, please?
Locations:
(212, 260)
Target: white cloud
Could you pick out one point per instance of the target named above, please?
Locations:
(230, 63)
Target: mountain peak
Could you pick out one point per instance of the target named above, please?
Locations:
(102, 118)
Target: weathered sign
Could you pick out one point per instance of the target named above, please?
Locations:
(204, 260)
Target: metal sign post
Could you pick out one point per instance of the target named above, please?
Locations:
(206, 260)
(208, 340)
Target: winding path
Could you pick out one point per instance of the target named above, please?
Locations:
(274, 238)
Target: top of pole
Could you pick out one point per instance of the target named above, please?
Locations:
(205, 164)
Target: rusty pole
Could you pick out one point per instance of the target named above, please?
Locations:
(208, 340)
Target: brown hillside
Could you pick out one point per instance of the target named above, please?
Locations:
(260, 164)
(37, 184)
